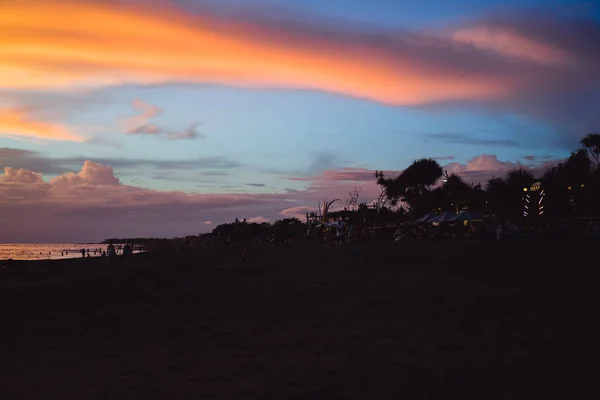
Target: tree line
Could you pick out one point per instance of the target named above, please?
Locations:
(242, 230)
(571, 187)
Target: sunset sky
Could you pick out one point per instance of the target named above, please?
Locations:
(165, 118)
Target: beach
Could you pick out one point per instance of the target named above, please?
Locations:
(51, 251)
(448, 319)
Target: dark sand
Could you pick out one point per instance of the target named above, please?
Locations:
(380, 320)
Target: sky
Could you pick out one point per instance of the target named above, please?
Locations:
(123, 119)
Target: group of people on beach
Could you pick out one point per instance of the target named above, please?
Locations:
(111, 251)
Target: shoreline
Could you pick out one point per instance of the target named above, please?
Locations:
(228, 256)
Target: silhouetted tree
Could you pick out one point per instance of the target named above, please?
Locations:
(246, 232)
(413, 185)
(383, 183)
(454, 194)
(517, 181)
(496, 190)
(288, 227)
(591, 142)
(353, 196)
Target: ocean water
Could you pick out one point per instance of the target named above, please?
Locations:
(50, 251)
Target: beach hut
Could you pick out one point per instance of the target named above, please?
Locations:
(425, 218)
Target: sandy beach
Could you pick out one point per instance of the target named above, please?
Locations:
(374, 320)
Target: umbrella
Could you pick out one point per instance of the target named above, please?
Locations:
(469, 216)
(426, 218)
(445, 217)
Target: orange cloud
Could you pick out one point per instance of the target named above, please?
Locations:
(18, 122)
(58, 44)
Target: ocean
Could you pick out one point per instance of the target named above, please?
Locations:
(50, 251)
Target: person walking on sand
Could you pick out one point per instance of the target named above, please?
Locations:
(127, 252)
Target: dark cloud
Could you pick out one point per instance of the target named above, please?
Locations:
(16, 158)
(319, 161)
(190, 133)
(322, 161)
(256, 184)
(470, 139)
(538, 158)
(145, 129)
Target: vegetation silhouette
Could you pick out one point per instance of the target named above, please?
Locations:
(243, 231)
(571, 187)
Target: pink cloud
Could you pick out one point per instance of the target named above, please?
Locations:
(343, 174)
(484, 162)
(481, 168)
(91, 173)
(297, 212)
(510, 42)
(93, 204)
(21, 175)
(256, 220)
(140, 123)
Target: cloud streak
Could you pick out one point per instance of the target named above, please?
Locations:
(141, 125)
(28, 159)
(488, 60)
(468, 139)
(21, 122)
